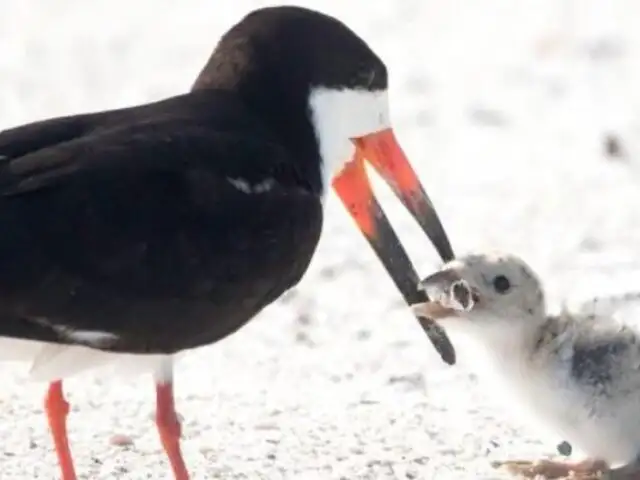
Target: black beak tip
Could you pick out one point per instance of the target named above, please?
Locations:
(399, 267)
(444, 249)
(437, 335)
(440, 340)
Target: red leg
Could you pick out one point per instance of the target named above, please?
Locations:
(57, 410)
(169, 429)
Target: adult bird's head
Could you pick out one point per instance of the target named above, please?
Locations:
(322, 91)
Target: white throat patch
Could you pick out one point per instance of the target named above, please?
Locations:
(341, 115)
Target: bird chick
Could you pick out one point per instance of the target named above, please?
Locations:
(577, 374)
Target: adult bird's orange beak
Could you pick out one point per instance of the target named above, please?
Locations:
(383, 152)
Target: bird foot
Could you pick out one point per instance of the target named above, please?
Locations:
(551, 469)
(626, 472)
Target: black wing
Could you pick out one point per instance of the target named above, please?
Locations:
(138, 228)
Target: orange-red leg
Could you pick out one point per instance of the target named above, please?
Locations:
(57, 410)
(169, 429)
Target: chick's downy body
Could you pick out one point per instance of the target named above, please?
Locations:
(576, 375)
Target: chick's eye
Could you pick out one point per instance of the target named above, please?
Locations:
(501, 284)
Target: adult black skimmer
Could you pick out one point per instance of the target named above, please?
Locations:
(149, 230)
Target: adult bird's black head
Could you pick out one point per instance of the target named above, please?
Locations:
(323, 92)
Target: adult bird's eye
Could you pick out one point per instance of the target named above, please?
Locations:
(501, 284)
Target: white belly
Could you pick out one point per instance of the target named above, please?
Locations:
(50, 361)
(599, 425)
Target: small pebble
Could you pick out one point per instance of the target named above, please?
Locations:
(121, 440)
(564, 449)
(613, 146)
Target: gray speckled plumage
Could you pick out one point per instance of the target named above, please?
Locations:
(601, 347)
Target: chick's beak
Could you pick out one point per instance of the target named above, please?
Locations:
(448, 294)
(384, 153)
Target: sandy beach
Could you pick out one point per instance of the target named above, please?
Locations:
(502, 108)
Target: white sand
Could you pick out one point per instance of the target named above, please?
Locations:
(500, 105)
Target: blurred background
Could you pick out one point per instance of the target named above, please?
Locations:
(522, 120)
